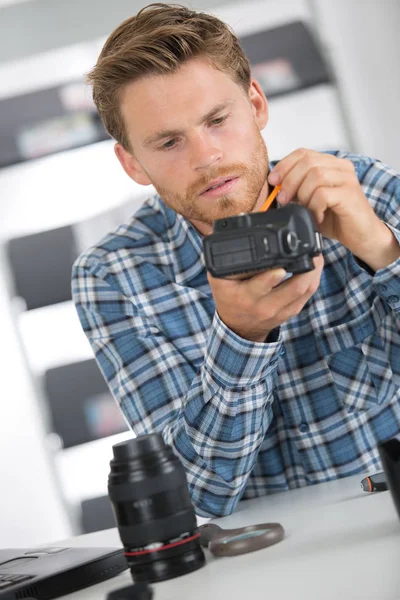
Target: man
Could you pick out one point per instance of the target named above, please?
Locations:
(258, 387)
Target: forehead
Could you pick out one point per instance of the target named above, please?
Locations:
(175, 101)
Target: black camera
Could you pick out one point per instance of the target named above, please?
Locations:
(245, 244)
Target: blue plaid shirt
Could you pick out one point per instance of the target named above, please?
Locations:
(245, 418)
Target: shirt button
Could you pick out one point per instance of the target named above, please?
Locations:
(282, 351)
(381, 288)
(393, 299)
(304, 427)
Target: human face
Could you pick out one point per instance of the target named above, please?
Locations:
(188, 129)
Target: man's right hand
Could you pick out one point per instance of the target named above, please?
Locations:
(253, 307)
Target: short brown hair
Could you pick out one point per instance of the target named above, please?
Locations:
(158, 40)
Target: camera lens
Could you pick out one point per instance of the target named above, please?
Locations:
(156, 520)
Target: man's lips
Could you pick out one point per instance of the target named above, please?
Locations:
(218, 182)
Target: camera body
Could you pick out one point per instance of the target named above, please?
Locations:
(245, 244)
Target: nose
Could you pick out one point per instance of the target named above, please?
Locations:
(204, 152)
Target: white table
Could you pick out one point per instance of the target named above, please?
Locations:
(341, 544)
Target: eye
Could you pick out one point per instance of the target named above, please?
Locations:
(219, 120)
(168, 144)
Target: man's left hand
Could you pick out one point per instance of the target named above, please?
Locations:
(328, 186)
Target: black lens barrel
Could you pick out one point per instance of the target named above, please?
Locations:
(156, 520)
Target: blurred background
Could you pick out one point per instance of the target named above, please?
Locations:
(331, 73)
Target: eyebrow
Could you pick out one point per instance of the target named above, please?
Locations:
(156, 137)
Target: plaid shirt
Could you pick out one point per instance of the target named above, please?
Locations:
(246, 418)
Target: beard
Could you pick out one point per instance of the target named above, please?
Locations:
(191, 206)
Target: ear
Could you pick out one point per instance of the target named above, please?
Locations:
(259, 103)
(131, 165)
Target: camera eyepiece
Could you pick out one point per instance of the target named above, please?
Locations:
(290, 241)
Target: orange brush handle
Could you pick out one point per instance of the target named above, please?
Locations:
(271, 198)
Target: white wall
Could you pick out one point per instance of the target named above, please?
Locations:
(362, 41)
(30, 508)
(43, 25)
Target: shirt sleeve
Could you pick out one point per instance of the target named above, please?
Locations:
(381, 185)
(214, 416)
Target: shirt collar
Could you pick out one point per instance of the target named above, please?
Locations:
(186, 245)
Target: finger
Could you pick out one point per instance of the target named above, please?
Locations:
(218, 283)
(308, 158)
(284, 166)
(307, 175)
(297, 175)
(298, 285)
(261, 284)
(321, 177)
(263, 287)
(257, 285)
(296, 306)
(286, 304)
(335, 198)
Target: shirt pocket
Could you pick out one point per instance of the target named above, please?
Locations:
(358, 359)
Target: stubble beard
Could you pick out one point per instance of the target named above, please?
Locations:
(254, 176)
